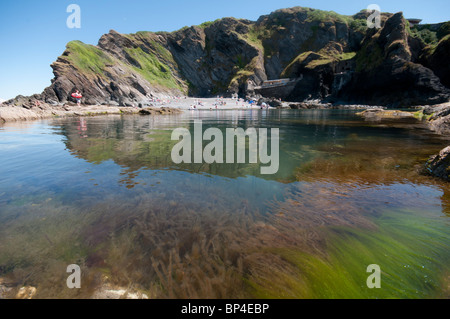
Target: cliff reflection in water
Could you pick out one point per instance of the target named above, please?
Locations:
(313, 144)
(138, 142)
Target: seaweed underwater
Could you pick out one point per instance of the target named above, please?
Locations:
(171, 248)
(369, 160)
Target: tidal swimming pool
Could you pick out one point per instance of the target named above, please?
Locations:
(103, 193)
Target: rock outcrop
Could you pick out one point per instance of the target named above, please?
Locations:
(386, 115)
(42, 111)
(438, 117)
(386, 74)
(438, 60)
(333, 58)
(439, 165)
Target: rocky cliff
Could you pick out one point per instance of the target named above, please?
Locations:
(332, 57)
(388, 71)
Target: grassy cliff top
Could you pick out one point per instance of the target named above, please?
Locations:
(87, 58)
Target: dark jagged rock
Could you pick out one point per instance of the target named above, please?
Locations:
(386, 75)
(438, 61)
(160, 111)
(439, 165)
(272, 102)
(330, 57)
(219, 58)
(438, 117)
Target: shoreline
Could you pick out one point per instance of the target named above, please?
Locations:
(434, 117)
(10, 113)
(16, 114)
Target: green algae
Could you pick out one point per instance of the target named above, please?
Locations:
(177, 249)
(410, 269)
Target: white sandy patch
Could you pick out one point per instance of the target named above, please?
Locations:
(207, 104)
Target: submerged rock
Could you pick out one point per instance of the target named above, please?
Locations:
(439, 165)
(108, 291)
(309, 105)
(160, 111)
(26, 293)
(119, 293)
(380, 114)
(5, 289)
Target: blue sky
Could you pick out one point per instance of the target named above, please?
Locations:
(34, 33)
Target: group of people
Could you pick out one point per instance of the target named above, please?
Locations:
(197, 103)
(164, 101)
(220, 101)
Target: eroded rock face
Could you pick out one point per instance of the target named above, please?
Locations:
(219, 58)
(439, 165)
(439, 61)
(336, 57)
(438, 117)
(123, 70)
(386, 74)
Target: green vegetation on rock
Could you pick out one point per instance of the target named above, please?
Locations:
(245, 72)
(323, 57)
(431, 49)
(256, 35)
(143, 38)
(208, 23)
(429, 34)
(425, 34)
(162, 52)
(327, 16)
(359, 25)
(443, 31)
(346, 56)
(152, 69)
(88, 58)
(370, 56)
(421, 116)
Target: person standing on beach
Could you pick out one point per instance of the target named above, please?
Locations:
(77, 96)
